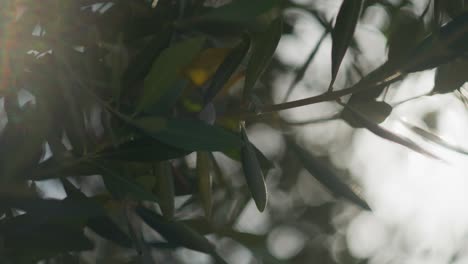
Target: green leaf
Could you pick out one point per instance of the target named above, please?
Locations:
(114, 180)
(226, 69)
(165, 189)
(343, 32)
(169, 99)
(386, 134)
(108, 229)
(177, 233)
(265, 164)
(43, 241)
(143, 149)
(204, 181)
(253, 173)
(454, 7)
(375, 111)
(165, 71)
(141, 65)
(326, 176)
(264, 46)
(60, 210)
(21, 143)
(191, 135)
(451, 76)
(118, 59)
(432, 137)
(240, 11)
(101, 225)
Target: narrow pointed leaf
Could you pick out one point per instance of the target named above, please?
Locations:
(177, 233)
(327, 177)
(253, 173)
(240, 11)
(375, 111)
(226, 69)
(165, 189)
(204, 181)
(186, 134)
(165, 71)
(101, 225)
(388, 135)
(141, 64)
(343, 32)
(143, 150)
(106, 228)
(264, 46)
(124, 185)
(434, 138)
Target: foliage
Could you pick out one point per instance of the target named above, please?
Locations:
(128, 89)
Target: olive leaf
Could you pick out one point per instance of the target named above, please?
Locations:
(264, 46)
(451, 76)
(343, 32)
(227, 68)
(204, 181)
(165, 188)
(326, 176)
(177, 233)
(386, 134)
(166, 69)
(253, 173)
(375, 111)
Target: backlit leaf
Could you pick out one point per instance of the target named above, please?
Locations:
(226, 69)
(386, 134)
(375, 111)
(326, 176)
(166, 69)
(343, 32)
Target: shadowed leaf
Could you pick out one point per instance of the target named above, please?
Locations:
(451, 76)
(253, 173)
(177, 233)
(165, 188)
(117, 183)
(101, 225)
(191, 135)
(204, 181)
(240, 11)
